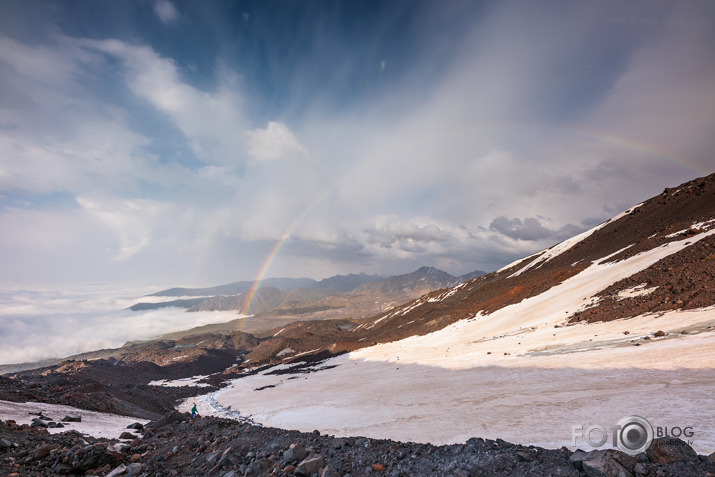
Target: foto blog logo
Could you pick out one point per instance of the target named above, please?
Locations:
(632, 434)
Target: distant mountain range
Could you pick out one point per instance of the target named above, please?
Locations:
(237, 288)
(297, 299)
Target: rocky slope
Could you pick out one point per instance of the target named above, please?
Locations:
(177, 445)
(341, 296)
(119, 382)
(682, 280)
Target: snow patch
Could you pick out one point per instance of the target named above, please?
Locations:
(638, 290)
(96, 424)
(560, 248)
(707, 225)
(176, 383)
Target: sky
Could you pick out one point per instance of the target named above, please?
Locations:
(197, 143)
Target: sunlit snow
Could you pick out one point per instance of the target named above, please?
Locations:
(518, 374)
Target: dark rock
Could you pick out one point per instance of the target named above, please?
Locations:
(667, 450)
(213, 456)
(310, 465)
(38, 423)
(119, 470)
(609, 463)
(5, 444)
(127, 435)
(72, 418)
(525, 456)
(63, 469)
(230, 457)
(134, 469)
(295, 453)
(42, 451)
(136, 425)
(257, 467)
(329, 472)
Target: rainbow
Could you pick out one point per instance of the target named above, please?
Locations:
(279, 245)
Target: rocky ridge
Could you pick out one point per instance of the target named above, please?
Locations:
(175, 444)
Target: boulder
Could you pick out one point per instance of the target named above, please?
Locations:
(42, 451)
(295, 453)
(136, 425)
(127, 435)
(667, 450)
(329, 472)
(38, 423)
(310, 465)
(134, 469)
(604, 463)
(5, 444)
(120, 470)
(525, 456)
(212, 457)
(256, 468)
(230, 457)
(72, 418)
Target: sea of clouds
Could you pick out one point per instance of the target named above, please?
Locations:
(42, 322)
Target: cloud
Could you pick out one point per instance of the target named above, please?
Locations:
(212, 122)
(166, 11)
(531, 229)
(39, 323)
(132, 220)
(158, 156)
(274, 142)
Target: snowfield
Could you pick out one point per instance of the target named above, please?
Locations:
(96, 424)
(518, 374)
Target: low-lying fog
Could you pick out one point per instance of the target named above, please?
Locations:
(42, 322)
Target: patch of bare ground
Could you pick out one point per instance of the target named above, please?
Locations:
(683, 280)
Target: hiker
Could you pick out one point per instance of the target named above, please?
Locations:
(194, 411)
